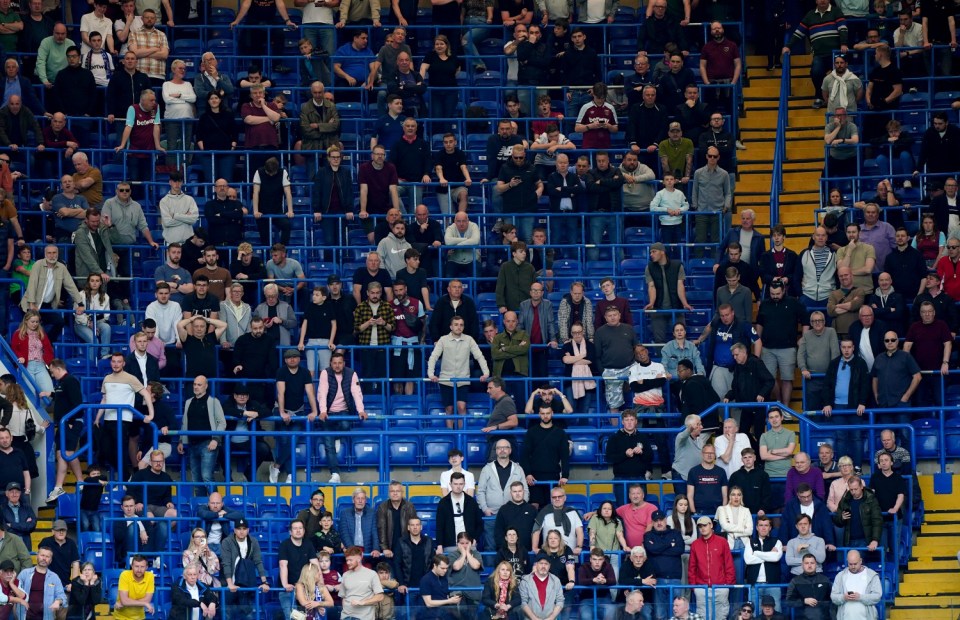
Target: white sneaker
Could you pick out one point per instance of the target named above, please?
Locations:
(334, 479)
(336, 447)
(740, 146)
(58, 491)
(289, 478)
(274, 473)
(156, 563)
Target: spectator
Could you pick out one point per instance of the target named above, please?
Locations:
(720, 64)
(541, 592)
(597, 119)
(712, 196)
(884, 307)
(896, 376)
(155, 499)
(637, 191)
(378, 189)
(455, 348)
(879, 234)
(711, 565)
(709, 482)
(676, 154)
(856, 589)
(828, 23)
(296, 398)
(688, 447)
(52, 596)
(242, 568)
(674, 81)
(610, 298)
(151, 48)
(665, 289)
(141, 133)
(808, 591)
(845, 301)
(358, 526)
(930, 343)
(52, 55)
(413, 556)
(945, 309)
(183, 603)
(202, 412)
(450, 164)
(762, 555)
(692, 113)
(435, 590)
(86, 591)
(859, 257)
(547, 457)
(412, 158)
(730, 446)
(776, 450)
(615, 343)
(359, 586)
(630, 457)
(503, 416)
(817, 347)
(723, 331)
(662, 25)
(841, 87)
(804, 543)
(494, 491)
(847, 387)
(501, 592)
(178, 212)
(842, 136)
(751, 382)
(647, 128)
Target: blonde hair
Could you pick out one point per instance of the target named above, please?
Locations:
(495, 580)
(245, 247)
(22, 330)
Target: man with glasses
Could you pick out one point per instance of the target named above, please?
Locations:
(896, 376)
(948, 267)
(711, 197)
(945, 208)
(155, 499)
(560, 517)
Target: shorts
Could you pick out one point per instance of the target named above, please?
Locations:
(784, 359)
(73, 435)
(448, 395)
(613, 386)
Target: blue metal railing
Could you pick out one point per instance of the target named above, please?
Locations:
(780, 146)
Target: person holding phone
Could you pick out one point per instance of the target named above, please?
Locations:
(520, 188)
(200, 554)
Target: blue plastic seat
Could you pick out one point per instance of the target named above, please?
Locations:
(435, 450)
(404, 452)
(366, 453)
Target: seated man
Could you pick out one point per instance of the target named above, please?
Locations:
(841, 136)
(155, 500)
(135, 591)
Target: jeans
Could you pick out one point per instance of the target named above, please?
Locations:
(443, 105)
(322, 37)
(664, 598)
(330, 441)
(602, 609)
(599, 223)
(101, 337)
(202, 463)
(38, 371)
(473, 35)
(769, 591)
(820, 66)
(707, 227)
(286, 598)
(159, 536)
(902, 164)
(318, 356)
(847, 442)
(524, 227)
(89, 521)
(286, 444)
(179, 138)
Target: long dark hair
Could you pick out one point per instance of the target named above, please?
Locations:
(614, 517)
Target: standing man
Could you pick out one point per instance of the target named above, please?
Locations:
(503, 416)
(818, 346)
(847, 386)
(359, 587)
(202, 413)
(615, 343)
(455, 350)
(295, 553)
(293, 383)
(711, 565)
(494, 488)
(666, 291)
(706, 484)
(537, 318)
(151, 48)
(827, 30)
(712, 195)
(776, 451)
(373, 324)
(546, 457)
(896, 376)
(339, 394)
(630, 456)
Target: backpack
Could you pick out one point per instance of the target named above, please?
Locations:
(245, 573)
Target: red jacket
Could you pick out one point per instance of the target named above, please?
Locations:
(711, 563)
(950, 275)
(21, 347)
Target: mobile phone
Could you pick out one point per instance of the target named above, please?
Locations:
(515, 179)
(203, 542)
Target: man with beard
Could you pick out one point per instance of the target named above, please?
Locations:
(224, 217)
(392, 248)
(254, 356)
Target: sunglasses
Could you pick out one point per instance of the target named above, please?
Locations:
(890, 340)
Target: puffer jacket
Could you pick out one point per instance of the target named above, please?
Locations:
(870, 515)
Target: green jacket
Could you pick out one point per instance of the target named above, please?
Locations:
(513, 283)
(327, 119)
(516, 348)
(870, 515)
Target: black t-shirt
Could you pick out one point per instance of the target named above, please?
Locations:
(319, 318)
(201, 355)
(154, 494)
(294, 396)
(296, 557)
(415, 282)
(883, 80)
(66, 397)
(442, 72)
(886, 489)
(12, 467)
(201, 307)
(63, 556)
(450, 163)
(362, 277)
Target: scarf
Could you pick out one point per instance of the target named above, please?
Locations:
(107, 62)
(838, 89)
(504, 585)
(581, 370)
(561, 519)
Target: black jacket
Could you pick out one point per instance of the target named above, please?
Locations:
(534, 63)
(489, 599)
(629, 467)
(581, 67)
(133, 367)
(603, 188)
(647, 126)
(83, 599)
(750, 380)
(891, 314)
(771, 569)
(655, 33)
(815, 586)
(472, 520)
(664, 552)
(412, 159)
(695, 395)
(907, 269)
(859, 389)
(556, 190)
(407, 549)
(755, 485)
(182, 604)
(443, 311)
(876, 334)
(124, 90)
(323, 187)
(75, 92)
(769, 269)
(224, 221)
(28, 124)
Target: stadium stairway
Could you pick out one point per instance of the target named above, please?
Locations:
(801, 173)
(930, 589)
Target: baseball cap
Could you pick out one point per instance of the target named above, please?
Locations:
(658, 246)
(291, 353)
(241, 388)
(14, 485)
(59, 524)
(333, 278)
(704, 521)
(767, 601)
(658, 515)
(241, 522)
(7, 565)
(541, 556)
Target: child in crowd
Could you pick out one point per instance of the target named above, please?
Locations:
(673, 203)
(455, 458)
(90, 494)
(331, 580)
(385, 608)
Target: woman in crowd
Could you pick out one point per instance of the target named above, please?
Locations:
(441, 66)
(203, 558)
(217, 131)
(22, 413)
(501, 596)
(606, 533)
(680, 349)
(735, 519)
(579, 356)
(33, 350)
(563, 563)
(681, 519)
(514, 553)
(179, 100)
(86, 592)
(931, 243)
(93, 326)
(312, 594)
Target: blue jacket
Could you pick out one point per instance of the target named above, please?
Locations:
(758, 245)
(664, 551)
(368, 524)
(822, 523)
(52, 590)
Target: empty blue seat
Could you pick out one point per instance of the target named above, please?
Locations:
(927, 434)
(366, 453)
(584, 450)
(435, 450)
(404, 452)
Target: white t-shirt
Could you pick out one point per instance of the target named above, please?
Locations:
(136, 26)
(313, 14)
(467, 478)
(740, 442)
(119, 389)
(595, 10)
(91, 23)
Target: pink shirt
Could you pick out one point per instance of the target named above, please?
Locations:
(338, 405)
(635, 521)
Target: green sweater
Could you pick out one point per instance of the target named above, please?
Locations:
(51, 58)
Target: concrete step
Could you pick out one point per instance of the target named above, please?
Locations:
(923, 613)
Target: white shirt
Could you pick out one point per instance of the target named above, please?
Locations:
(866, 351)
(740, 441)
(48, 286)
(457, 503)
(468, 478)
(91, 23)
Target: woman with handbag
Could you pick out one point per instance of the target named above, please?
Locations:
(312, 594)
(203, 557)
(24, 424)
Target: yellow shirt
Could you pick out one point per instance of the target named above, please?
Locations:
(137, 590)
